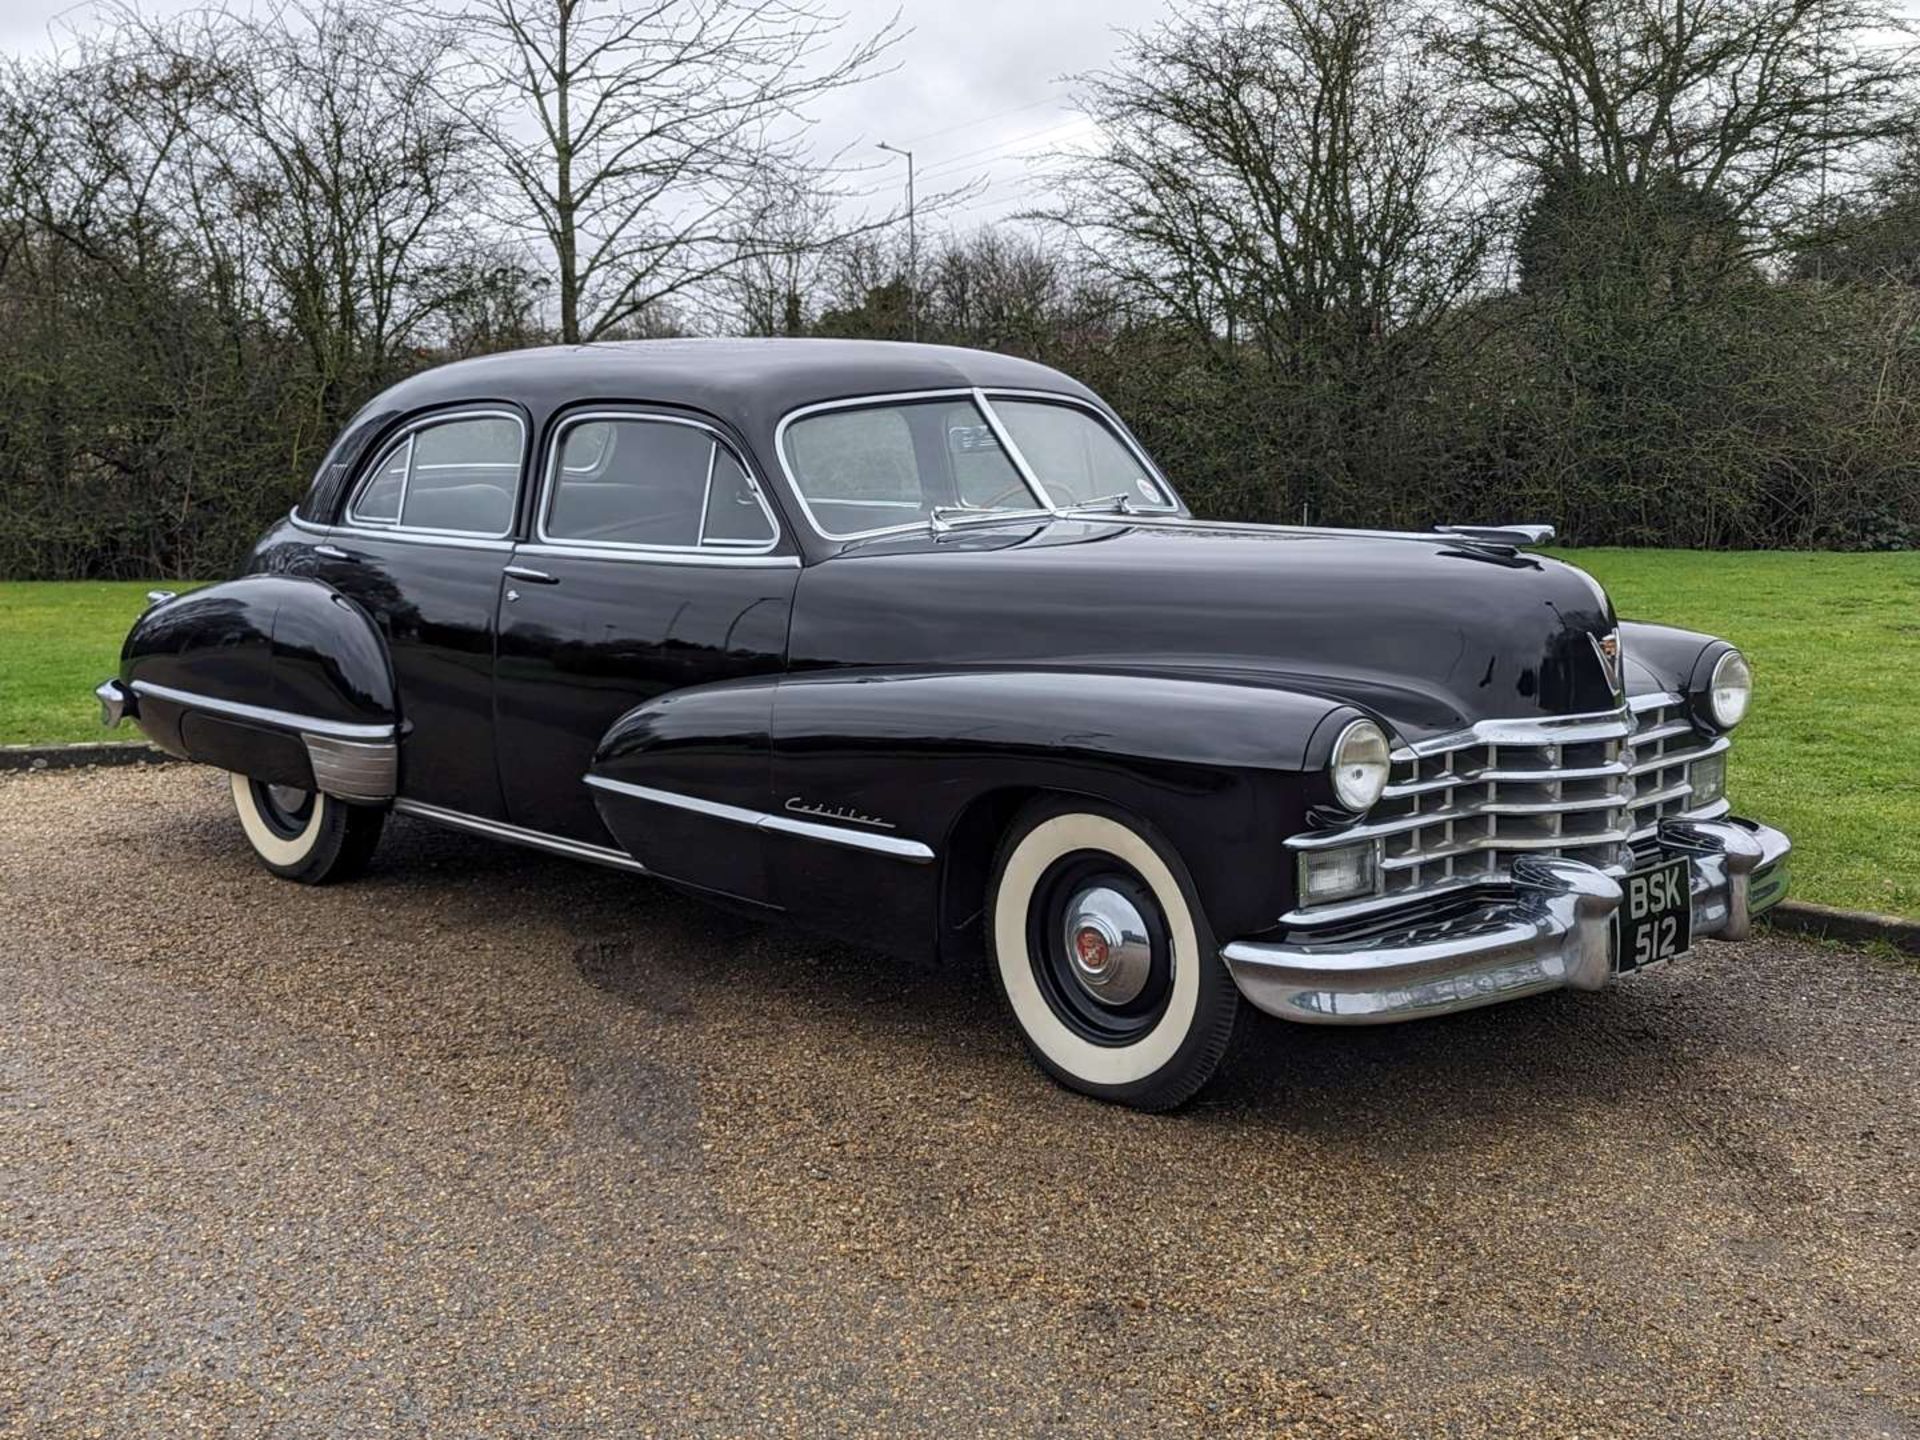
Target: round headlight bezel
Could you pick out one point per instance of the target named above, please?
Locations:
(1721, 684)
(1359, 765)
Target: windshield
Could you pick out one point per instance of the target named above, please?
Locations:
(868, 468)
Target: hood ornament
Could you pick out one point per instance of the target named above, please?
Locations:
(1606, 649)
(1507, 537)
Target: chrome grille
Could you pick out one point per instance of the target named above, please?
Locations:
(1457, 811)
(1464, 812)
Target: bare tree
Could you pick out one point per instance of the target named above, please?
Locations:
(786, 242)
(1283, 181)
(634, 140)
(1279, 173)
(1768, 111)
(322, 149)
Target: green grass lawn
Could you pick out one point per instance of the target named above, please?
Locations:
(1828, 753)
(57, 641)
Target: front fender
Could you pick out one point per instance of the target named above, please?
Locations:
(274, 676)
(1666, 658)
(1223, 770)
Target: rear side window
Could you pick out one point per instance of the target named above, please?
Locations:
(653, 484)
(456, 476)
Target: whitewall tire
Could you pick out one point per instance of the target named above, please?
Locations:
(304, 835)
(1104, 958)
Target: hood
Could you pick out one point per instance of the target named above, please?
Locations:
(1430, 634)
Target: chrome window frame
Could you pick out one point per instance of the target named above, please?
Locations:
(702, 549)
(982, 397)
(396, 528)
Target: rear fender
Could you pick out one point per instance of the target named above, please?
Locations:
(277, 677)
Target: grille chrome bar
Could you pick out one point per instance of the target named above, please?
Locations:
(1451, 779)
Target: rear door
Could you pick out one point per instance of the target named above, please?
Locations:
(420, 546)
(656, 565)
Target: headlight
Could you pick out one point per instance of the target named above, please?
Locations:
(1729, 690)
(1359, 765)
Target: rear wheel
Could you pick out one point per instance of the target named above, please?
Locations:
(1105, 960)
(304, 835)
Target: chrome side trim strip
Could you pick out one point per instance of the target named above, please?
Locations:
(909, 850)
(266, 715)
(888, 845)
(517, 835)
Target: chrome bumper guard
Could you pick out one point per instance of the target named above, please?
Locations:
(115, 703)
(1555, 932)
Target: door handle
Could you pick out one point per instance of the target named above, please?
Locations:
(532, 577)
(334, 552)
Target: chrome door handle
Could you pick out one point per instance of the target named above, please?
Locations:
(532, 577)
(334, 552)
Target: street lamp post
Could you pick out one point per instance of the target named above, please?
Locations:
(913, 248)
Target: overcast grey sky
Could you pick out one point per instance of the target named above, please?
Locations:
(976, 90)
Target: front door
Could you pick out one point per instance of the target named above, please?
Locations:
(419, 547)
(655, 565)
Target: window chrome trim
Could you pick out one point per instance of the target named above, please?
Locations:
(266, 715)
(888, 845)
(982, 396)
(352, 522)
(440, 539)
(705, 555)
(519, 835)
(613, 549)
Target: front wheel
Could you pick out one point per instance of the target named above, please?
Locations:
(304, 835)
(1105, 959)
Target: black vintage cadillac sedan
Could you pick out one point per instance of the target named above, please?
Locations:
(916, 646)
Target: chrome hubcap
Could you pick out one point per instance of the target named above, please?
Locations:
(289, 798)
(1106, 938)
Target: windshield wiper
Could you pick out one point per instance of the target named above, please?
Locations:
(945, 517)
(1119, 503)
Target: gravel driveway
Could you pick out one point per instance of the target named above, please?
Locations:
(493, 1144)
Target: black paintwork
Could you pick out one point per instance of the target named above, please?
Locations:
(280, 641)
(916, 686)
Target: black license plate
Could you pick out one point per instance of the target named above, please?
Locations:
(1655, 916)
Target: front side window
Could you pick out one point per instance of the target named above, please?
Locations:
(458, 476)
(655, 484)
(1075, 455)
(880, 466)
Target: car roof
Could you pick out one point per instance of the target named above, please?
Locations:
(749, 383)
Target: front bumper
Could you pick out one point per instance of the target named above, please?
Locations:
(1556, 931)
